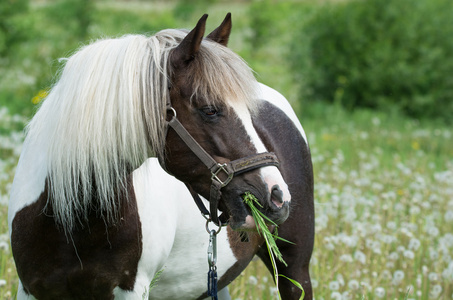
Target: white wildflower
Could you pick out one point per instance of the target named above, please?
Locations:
(253, 280)
(360, 256)
(425, 270)
(414, 244)
(433, 254)
(409, 254)
(393, 256)
(353, 284)
(314, 283)
(386, 274)
(346, 258)
(398, 276)
(432, 231)
(447, 273)
(340, 279)
(447, 240)
(433, 276)
(414, 210)
(336, 296)
(274, 292)
(4, 246)
(334, 285)
(435, 291)
(379, 292)
(448, 216)
(400, 249)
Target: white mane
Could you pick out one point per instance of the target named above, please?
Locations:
(104, 118)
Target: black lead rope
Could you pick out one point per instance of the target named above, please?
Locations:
(212, 284)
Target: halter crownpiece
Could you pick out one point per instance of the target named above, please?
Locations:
(221, 174)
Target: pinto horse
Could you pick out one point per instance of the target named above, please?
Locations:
(134, 130)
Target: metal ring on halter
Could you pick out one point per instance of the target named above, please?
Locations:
(172, 110)
(207, 226)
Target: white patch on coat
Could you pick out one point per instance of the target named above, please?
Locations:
(174, 238)
(272, 96)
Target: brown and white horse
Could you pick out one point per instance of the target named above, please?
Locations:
(93, 214)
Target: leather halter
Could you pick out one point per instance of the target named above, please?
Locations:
(221, 174)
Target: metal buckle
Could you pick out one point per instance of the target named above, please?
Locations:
(222, 167)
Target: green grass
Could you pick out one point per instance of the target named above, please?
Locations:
(262, 222)
(384, 208)
(10, 144)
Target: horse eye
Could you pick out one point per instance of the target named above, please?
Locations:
(209, 111)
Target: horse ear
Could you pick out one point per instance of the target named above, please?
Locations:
(221, 34)
(190, 45)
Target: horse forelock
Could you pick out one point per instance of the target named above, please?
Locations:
(220, 75)
(106, 115)
(217, 74)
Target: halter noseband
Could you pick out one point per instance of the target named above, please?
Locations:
(221, 174)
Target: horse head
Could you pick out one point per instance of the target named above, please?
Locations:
(212, 96)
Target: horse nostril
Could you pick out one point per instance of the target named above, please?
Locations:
(277, 195)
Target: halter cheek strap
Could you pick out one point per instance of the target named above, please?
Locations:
(221, 174)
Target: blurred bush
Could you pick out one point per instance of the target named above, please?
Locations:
(269, 19)
(387, 54)
(13, 27)
(186, 9)
(271, 29)
(33, 40)
(74, 15)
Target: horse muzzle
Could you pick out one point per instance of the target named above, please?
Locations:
(272, 193)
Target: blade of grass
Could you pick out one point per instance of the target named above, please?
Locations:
(269, 238)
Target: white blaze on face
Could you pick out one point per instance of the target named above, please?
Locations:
(270, 175)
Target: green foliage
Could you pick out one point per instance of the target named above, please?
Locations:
(185, 9)
(268, 18)
(115, 22)
(74, 15)
(13, 27)
(379, 54)
(270, 31)
(54, 30)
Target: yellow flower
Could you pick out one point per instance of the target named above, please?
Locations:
(327, 137)
(39, 96)
(415, 145)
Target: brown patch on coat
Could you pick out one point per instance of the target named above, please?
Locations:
(89, 264)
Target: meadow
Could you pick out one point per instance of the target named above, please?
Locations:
(383, 182)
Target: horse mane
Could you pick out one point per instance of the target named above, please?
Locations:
(106, 115)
